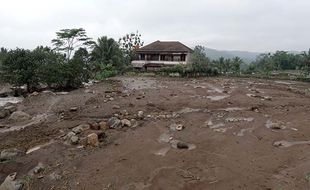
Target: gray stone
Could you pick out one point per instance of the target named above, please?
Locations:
(79, 129)
(19, 116)
(55, 176)
(114, 123)
(140, 114)
(10, 183)
(11, 108)
(126, 123)
(4, 113)
(74, 139)
(9, 154)
(38, 169)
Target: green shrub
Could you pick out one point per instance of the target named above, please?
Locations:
(106, 70)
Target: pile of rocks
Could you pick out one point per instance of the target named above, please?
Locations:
(7, 110)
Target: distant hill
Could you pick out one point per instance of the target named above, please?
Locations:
(245, 55)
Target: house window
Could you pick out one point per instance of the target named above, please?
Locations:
(142, 56)
(183, 57)
(176, 58)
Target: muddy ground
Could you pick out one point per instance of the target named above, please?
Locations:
(232, 127)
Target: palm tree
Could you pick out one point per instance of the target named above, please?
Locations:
(236, 62)
(306, 60)
(107, 51)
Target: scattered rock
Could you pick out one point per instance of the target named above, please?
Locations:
(126, 123)
(239, 119)
(94, 126)
(69, 135)
(11, 108)
(55, 176)
(274, 125)
(79, 129)
(114, 123)
(10, 183)
(19, 116)
(4, 112)
(182, 145)
(73, 109)
(9, 154)
(111, 99)
(92, 140)
(140, 114)
(38, 169)
(103, 125)
(34, 94)
(179, 127)
(74, 139)
(116, 107)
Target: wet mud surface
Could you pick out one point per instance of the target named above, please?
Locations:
(208, 133)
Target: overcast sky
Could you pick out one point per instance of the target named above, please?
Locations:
(254, 25)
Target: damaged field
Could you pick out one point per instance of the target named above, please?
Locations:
(161, 133)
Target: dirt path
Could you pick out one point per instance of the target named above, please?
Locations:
(236, 130)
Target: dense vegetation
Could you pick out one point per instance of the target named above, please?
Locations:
(75, 58)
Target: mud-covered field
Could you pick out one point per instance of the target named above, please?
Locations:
(208, 133)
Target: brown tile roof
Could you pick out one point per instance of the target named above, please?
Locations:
(167, 46)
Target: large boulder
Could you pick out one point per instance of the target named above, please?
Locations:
(92, 140)
(10, 183)
(19, 116)
(79, 129)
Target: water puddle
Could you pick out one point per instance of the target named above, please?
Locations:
(13, 100)
(174, 144)
(286, 144)
(217, 98)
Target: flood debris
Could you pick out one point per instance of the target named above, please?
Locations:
(286, 144)
(242, 132)
(239, 119)
(19, 116)
(217, 98)
(10, 154)
(114, 123)
(259, 96)
(176, 127)
(92, 140)
(274, 125)
(11, 183)
(163, 151)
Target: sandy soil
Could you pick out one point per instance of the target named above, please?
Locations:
(231, 125)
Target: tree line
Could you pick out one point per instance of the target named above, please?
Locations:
(264, 64)
(73, 59)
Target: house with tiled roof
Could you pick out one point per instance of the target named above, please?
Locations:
(162, 53)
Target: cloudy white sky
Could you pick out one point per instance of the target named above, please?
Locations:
(254, 25)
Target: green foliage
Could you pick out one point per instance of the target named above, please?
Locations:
(107, 51)
(128, 44)
(20, 67)
(106, 70)
(69, 40)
